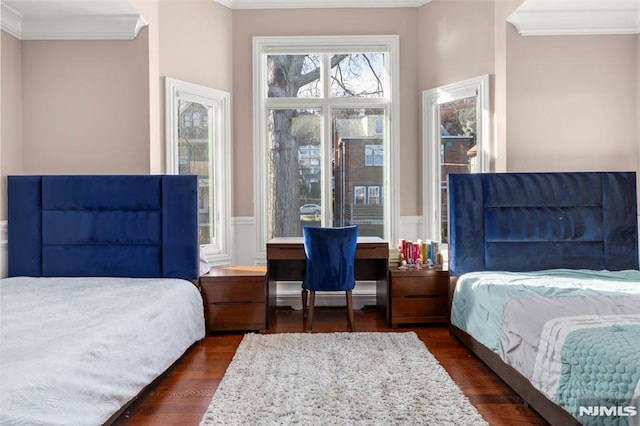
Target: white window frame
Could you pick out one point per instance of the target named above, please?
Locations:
(263, 46)
(378, 126)
(356, 189)
(219, 251)
(431, 157)
(375, 156)
(373, 192)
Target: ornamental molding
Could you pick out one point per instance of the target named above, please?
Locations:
(318, 4)
(119, 20)
(64, 20)
(577, 17)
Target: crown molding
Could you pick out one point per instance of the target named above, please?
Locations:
(10, 20)
(98, 26)
(533, 17)
(570, 17)
(318, 4)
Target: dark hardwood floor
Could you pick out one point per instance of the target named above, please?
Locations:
(182, 394)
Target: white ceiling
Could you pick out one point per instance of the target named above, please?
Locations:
(118, 19)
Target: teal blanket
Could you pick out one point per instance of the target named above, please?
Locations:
(575, 334)
(480, 298)
(600, 368)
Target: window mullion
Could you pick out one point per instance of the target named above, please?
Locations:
(325, 75)
(292, 103)
(325, 140)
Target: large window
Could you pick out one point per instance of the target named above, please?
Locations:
(456, 140)
(324, 134)
(197, 133)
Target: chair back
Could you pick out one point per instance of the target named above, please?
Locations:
(330, 254)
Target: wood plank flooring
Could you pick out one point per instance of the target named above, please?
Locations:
(182, 395)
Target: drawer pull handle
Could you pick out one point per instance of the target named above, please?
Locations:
(423, 296)
(232, 303)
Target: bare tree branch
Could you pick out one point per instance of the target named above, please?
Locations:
(373, 71)
(314, 75)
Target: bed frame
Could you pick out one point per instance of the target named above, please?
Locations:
(535, 221)
(103, 225)
(138, 226)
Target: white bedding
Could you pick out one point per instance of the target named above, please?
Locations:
(73, 351)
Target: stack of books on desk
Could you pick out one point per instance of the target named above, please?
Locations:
(394, 257)
(421, 252)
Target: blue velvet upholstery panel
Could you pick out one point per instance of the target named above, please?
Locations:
(535, 221)
(116, 226)
(330, 255)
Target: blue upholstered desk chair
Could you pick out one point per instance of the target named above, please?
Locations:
(330, 254)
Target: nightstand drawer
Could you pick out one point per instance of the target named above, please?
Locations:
(236, 316)
(419, 286)
(418, 296)
(234, 291)
(420, 306)
(235, 298)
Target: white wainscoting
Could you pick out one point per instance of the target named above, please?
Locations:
(289, 294)
(244, 241)
(3, 249)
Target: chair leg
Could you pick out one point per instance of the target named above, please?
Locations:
(305, 309)
(352, 324)
(312, 303)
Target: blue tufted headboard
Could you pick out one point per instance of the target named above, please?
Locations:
(535, 221)
(116, 226)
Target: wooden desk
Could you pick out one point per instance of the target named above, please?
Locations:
(286, 262)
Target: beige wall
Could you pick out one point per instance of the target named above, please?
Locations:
(461, 40)
(499, 108)
(289, 22)
(572, 103)
(561, 103)
(196, 42)
(150, 10)
(85, 106)
(456, 41)
(98, 106)
(11, 114)
(195, 45)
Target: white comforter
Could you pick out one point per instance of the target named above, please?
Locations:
(73, 351)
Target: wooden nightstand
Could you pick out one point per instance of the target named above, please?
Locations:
(235, 298)
(418, 296)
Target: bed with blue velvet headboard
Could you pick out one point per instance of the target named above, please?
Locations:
(547, 287)
(100, 298)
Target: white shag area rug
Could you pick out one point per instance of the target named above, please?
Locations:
(337, 379)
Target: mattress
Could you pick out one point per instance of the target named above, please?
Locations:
(574, 334)
(75, 350)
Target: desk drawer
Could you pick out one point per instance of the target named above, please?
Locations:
(372, 251)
